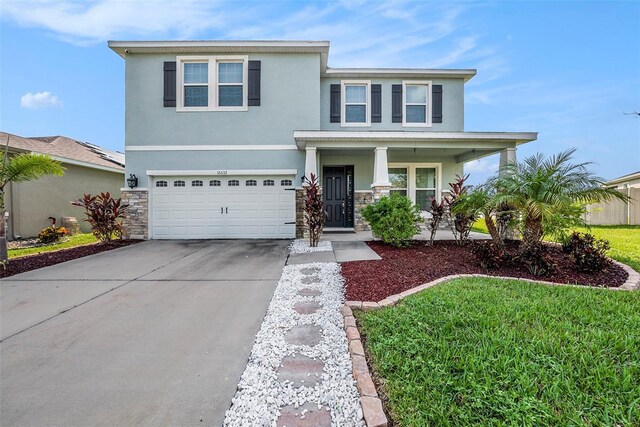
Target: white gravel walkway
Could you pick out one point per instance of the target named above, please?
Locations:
(299, 371)
(301, 246)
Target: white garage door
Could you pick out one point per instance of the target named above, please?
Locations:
(233, 207)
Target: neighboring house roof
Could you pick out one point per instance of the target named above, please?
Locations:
(624, 178)
(67, 150)
(123, 48)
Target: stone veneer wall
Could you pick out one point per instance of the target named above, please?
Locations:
(136, 221)
(301, 230)
(361, 199)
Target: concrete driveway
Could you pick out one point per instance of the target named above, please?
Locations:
(157, 333)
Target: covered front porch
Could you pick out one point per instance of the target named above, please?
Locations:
(357, 168)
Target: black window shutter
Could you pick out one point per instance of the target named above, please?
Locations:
(396, 103)
(376, 103)
(169, 84)
(436, 94)
(254, 83)
(334, 105)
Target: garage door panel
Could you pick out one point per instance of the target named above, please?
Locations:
(223, 211)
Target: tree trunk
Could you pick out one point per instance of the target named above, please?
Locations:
(4, 257)
(532, 232)
(493, 230)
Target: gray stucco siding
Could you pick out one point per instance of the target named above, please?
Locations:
(139, 162)
(452, 106)
(289, 92)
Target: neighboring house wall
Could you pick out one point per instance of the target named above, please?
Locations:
(290, 86)
(452, 106)
(616, 212)
(34, 201)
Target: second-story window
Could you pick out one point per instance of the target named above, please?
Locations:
(355, 105)
(230, 79)
(212, 83)
(196, 84)
(416, 104)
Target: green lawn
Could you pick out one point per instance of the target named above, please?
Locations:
(624, 239)
(75, 240)
(491, 352)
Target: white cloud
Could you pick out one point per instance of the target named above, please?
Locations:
(39, 100)
(486, 165)
(83, 22)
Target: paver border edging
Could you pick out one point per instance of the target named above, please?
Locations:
(632, 284)
(369, 401)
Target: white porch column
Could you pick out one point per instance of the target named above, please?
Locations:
(311, 163)
(508, 155)
(381, 184)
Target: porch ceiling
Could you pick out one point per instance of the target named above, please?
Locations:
(463, 146)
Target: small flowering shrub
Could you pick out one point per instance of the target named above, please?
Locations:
(589, 254)
(52, 234)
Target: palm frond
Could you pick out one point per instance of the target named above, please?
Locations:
(28, 167)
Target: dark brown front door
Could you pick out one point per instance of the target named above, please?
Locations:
(338, 196)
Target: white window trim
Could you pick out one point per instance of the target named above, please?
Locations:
(343, 102)
(212, 82)
(428, 120)
(411, 177)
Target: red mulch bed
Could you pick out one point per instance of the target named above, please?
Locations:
(401, 269)
(45, 259)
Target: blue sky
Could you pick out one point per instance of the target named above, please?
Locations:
(568, 70)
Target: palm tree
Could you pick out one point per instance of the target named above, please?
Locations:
(20, 168)
(542, 189)
(480, 201)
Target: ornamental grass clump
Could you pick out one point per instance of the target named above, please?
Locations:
(104, 213)
(395, 219)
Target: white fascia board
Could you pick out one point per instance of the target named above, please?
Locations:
(395, 138)
(86, 164)
(464, 73)
(222, 172)
(209, 147)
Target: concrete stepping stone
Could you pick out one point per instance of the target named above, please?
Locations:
(309, 271)
(300, 370)
(304, 335)
(306, 307)
(308, 280)
(307, 415)
(308, 292)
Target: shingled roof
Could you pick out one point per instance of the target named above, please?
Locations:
(63, 148)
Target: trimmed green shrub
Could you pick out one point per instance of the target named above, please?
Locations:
(395, 219)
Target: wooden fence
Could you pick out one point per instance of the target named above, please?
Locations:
(616, 212)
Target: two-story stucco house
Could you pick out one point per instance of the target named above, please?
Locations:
(221, 133)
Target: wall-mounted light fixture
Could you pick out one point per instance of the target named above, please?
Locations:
(132, 181)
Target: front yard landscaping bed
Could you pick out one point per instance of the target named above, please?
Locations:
(483, 351)
(401, 269)
(45, 259)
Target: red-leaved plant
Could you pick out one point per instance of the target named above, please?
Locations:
(313, 210)
(460, 222)
(104, 213)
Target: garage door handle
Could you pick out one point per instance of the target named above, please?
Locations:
(221, 210)
(226, 210)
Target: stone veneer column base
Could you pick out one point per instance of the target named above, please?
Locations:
(136, 220)
(361, 199)
(301, 230)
